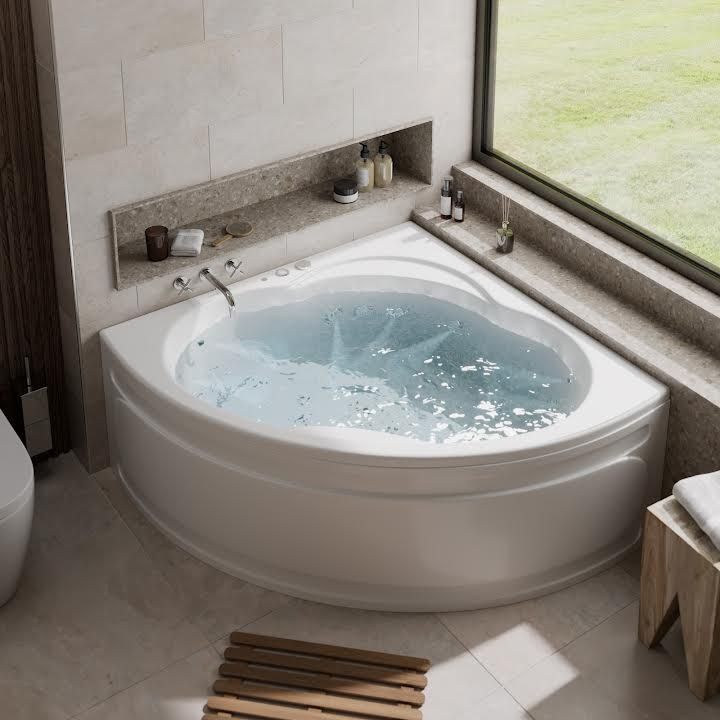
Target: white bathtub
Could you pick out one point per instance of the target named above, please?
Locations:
(375, 520)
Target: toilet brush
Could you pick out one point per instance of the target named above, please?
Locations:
(36, 417)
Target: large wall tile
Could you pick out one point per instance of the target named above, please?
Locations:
(97, 183)
(455, 124)
(399, 99)
(92, 108)
(232, 17)
(199, 84)
(99, 304)
(94, 267)
(444, 95)
(349, 47)
(447, 33)
(453, 140)
(92, 31)
(296, 127)
(376, 9)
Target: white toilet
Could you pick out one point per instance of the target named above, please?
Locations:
(17, 481)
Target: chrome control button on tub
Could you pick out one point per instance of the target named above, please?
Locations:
(303, 265)
(282, 272)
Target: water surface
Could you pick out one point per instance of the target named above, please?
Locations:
(390, 362)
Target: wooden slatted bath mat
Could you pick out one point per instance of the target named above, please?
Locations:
(278, 679)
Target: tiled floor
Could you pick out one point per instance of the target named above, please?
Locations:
(112, 622)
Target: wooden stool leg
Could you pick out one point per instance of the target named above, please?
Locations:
(659, 607)
(700, 613)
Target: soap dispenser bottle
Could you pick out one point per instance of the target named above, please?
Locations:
(365, 169)
(383, 166)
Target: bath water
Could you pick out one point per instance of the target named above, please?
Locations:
(398, 363)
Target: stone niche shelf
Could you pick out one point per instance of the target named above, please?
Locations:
(280, 198)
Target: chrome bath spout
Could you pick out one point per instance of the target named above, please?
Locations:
(220, 286)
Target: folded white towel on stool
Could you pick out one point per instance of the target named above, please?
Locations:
(187, 243)
(700, 496)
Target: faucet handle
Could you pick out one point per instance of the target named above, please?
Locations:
(232, 267)
(182, 284)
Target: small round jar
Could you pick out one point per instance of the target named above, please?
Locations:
(345, 191)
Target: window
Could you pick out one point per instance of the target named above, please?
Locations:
(612, 109)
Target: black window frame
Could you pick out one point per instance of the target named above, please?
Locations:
(643, 240)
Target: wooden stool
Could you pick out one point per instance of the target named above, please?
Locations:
(681, 578)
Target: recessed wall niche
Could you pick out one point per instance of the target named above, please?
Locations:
(282, 197)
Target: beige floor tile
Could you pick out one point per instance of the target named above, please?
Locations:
(215, 602)
(655, 681)
(501, 706)
(608, 674)
(177, 693)
(457, 683)
(96, 629)
(92, 615)
(509, 640)
(631, 564)
(557, 690)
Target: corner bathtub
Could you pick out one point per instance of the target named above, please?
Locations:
(370, 519)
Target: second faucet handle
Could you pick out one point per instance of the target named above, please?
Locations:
(182, 285)
(232, 267)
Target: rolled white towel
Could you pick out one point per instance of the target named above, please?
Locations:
(700, 496)
(187, 243)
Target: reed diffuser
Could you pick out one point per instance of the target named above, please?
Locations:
(505, 235)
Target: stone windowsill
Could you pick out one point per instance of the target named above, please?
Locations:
(675, 301)
(631, 327)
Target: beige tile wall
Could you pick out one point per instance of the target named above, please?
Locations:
(155, 95)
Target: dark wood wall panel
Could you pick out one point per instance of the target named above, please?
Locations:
(29, 324)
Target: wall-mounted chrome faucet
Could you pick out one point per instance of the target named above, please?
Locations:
(220, 286)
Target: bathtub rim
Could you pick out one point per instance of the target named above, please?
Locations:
(393, 479)
(363, 447)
